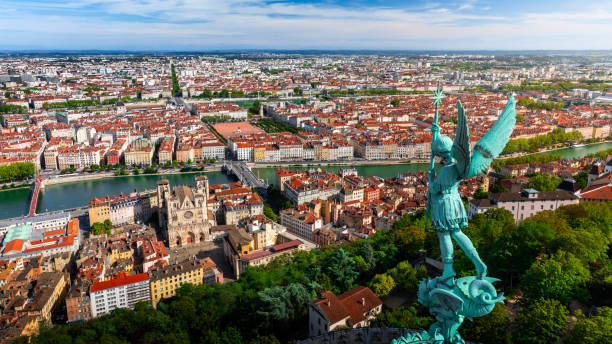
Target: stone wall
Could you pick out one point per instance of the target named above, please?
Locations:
(364, 335)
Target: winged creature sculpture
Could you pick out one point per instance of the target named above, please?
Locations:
(459, 162)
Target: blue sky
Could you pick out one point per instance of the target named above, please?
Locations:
(316, 24)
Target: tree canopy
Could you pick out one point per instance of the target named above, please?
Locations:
(16, 171)
(544, 182)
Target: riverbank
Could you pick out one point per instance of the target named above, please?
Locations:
(68, 195)
(545, 151)
(110, 175)
(337, 163)
(291, 164)
(16, 187)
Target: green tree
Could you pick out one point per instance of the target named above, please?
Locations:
(10, 109)
(593, 330)
(364, 250)
(409, 240)
(283, 305)
(97, 228)
(405, 317)
(382, 284)
(269, 213)
(341, 269)
(561, 277)
(581, 179)
(395, 102)
(493, 328)
(405, 277)
(544, 182)
(541, 322)
(16, 171)
(514, 252)
(176, 89)
(480, 194)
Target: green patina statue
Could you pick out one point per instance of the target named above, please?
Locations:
(450, 300)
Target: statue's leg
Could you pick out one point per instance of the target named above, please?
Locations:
(446, 248)
(466, 245)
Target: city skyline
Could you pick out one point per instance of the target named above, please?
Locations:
(320, 25)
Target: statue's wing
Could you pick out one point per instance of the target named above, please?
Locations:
(493, 142)
(461, 144)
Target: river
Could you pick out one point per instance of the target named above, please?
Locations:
(13, 203)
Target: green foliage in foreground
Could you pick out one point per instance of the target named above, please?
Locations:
(541, 322)
(551, 259)
(594, 330)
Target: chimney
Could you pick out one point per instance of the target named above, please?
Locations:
(363, 301)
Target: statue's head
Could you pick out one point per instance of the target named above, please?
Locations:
(442, 146)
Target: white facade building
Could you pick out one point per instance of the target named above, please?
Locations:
(123, 292)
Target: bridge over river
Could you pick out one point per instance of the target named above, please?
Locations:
(245, 175)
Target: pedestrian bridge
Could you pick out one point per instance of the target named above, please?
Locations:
(35, 191)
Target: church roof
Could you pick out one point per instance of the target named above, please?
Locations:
(182, 192)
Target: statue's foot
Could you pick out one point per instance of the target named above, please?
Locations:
(448, 276)
(481, 271)
(448, 271)
(457, 339)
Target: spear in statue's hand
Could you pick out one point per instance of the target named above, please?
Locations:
(435, 130)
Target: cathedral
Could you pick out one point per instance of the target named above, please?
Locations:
(183, 212)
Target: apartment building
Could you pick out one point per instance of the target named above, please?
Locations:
(78, 303)
(302, 223)
(166, 280)
(300, 192)
(46, 295)
(77, 156)
(139, 152)
(166, 150)
(121, 292)
(120, 209)
(525, 203)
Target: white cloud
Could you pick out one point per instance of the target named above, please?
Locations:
(197, 25)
